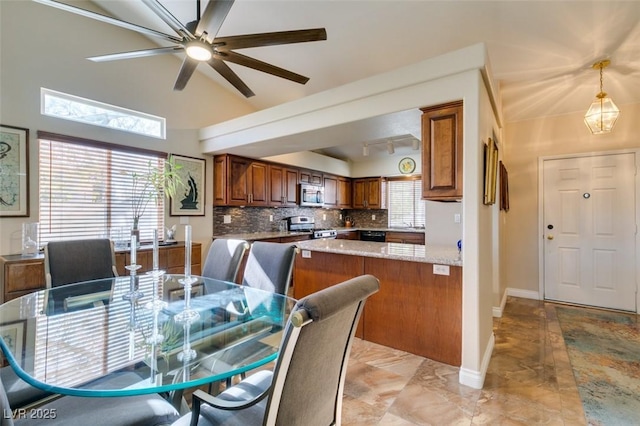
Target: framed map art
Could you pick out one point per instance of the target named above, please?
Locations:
(14, 171)
(189, 200)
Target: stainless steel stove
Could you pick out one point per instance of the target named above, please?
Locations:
(307, 224)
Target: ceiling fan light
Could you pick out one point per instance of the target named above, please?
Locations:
(602, 115)
(198, 51)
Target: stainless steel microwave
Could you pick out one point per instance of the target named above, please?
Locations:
(311, 195)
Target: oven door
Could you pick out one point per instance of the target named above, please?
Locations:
(311, 195)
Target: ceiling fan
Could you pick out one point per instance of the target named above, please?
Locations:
(200, 42)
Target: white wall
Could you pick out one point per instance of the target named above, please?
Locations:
(39, 48)
(526, 142)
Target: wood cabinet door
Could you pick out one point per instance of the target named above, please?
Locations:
(238, 181)
(442, 152)
(276, 185)
(311, 176)
(359, 198)
(258, 183)
(344, 193)
(373, 193)
(330, 191)
(290, 186)
(220, 180)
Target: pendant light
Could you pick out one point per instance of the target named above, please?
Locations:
(602, 113)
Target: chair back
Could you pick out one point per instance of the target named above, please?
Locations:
(224, 258)
(270, 266)
(73, 261)
(309, 375)
(7, 418)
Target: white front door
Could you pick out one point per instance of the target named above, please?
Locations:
(589, 230)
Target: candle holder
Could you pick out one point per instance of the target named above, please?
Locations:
(155, 305)
(133, 294)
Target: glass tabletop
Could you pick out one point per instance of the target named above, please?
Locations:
(92, 338)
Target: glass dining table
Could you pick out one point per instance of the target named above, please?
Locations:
(173, 331)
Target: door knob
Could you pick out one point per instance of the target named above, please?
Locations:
(549, 237)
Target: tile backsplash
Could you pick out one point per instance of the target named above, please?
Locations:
(258, 219)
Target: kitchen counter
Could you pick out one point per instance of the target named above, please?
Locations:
(358, 228)
(408, 252)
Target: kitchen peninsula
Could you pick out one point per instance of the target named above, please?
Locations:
(419, 306)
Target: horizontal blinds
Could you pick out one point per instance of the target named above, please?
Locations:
(86, 190)
(406, 207)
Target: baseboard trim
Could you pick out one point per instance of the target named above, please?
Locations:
(525, 294)
(475, 379)
(498, 310)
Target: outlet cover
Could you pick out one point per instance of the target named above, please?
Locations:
(270, 218)
(226, 218)
(441, 269)
(373, 217)
(456, 218)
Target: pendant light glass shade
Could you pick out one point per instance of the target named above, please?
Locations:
(603, 113)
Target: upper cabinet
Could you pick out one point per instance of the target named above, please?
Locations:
(240, 181)
(330, 184)
(367, 193)
(311, 177)
(442, 142)
(283, 185)
(344, 193)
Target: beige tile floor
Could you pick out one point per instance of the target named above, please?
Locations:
(529, 380)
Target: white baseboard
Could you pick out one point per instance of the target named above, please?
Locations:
(515, 292)
(475, 379)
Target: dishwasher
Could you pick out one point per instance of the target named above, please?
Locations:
(377, 236)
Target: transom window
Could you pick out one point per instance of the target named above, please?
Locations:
(88, 111)
(86, 189)
(406, 206)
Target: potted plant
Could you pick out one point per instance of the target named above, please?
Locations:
(151, 187)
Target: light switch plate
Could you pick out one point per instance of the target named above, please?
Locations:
(441, 269)
(226, 218)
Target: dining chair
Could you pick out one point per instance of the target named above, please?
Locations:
(307, 383)
(148, 410)
(73, 261)
(20, 393)
(224, 258)
(270, 266)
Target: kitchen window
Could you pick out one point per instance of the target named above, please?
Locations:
(85, 189)
(404, 201)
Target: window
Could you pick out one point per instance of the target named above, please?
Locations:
(85, 189)
(75, 108)
(406, 207)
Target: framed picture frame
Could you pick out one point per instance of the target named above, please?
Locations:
(504, 188)
(13, 334)
(490, 172)
(191, 201)
(14, 171)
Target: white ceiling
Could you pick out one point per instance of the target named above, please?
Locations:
(541, 52)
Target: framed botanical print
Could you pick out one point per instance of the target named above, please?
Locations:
(190, 199)
(14, 171)
(12, 334)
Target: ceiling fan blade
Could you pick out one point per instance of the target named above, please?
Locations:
(224, 70)
(167, 17)
(136, 54)
(109, 20)
(186, 71)
(213, 17)
(246, 61)
(269, 39)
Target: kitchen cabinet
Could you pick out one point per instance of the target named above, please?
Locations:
(367, 193)
(442, 143)
(348, 235)
(312, 177)
(25, 275)
(330, 191)
(240, 181)
(405, 237)
(283, 186)
(344, 193)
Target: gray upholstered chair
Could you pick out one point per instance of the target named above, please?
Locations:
(73, 261)
(148, 410)
(306, 385)
(269, 266)
(224, 258)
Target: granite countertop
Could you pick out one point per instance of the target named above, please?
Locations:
(443, 255)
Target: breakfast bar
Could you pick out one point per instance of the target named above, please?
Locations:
(419, 306)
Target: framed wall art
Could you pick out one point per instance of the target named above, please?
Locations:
(14, 171)
(13, 334)
(490, 171)
(189, 200)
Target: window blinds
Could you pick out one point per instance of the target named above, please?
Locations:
(406, 207)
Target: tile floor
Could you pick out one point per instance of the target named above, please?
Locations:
(529, 380)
